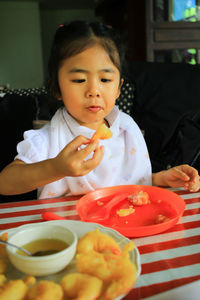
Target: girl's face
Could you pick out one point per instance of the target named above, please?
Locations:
(89, 84)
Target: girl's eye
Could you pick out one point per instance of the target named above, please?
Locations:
(78, 80)
(105, 80)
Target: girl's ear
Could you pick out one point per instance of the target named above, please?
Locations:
(121, 82)
(58, 96)
(120, 85)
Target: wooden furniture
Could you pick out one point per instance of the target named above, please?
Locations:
(169, 35)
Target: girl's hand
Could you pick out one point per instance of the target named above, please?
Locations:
(179, 176)
(72, 161)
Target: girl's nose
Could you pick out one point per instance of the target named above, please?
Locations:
(92, 91)
(92, 94)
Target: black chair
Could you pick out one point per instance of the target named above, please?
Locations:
(17, 113)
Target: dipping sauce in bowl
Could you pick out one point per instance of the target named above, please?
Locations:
(43, 247)
(41, 238)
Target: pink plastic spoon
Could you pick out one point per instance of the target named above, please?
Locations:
(49, 216)
(104, 212)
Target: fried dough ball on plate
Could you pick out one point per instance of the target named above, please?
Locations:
(81, 286)
(45, 290)
(124, 275)
(29, 280)
(13, 290)
(99, 242)
(2, 279)
(117, 272)
(3, 252)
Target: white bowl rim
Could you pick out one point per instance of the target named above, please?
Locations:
(46, 257)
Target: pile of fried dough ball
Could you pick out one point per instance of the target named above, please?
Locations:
(104, 271)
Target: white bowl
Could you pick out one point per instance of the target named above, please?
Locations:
(42, 265)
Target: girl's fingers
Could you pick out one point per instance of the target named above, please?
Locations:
(95, 160)
(193, 183)
(91, 147)
(191, 172)
(180, 174)
(77, 142)
(192, 187)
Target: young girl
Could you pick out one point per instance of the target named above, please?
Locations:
(85, 74)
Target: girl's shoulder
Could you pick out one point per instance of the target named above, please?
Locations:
(127, 119)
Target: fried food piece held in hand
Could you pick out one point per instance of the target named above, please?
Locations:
(13, 290)
(81, 286)
(99, 242)
(45, 290)
(102, 133)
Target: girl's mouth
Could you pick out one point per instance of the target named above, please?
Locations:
(94, 108)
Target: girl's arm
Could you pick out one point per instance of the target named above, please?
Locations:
(179, 176)
(19, 177)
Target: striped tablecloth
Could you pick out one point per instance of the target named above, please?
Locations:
(169, 260)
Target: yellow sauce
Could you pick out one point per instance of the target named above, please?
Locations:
(50, 246)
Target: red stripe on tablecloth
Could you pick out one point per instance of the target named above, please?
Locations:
(37, 211)
(183, 192)
(154, 289)
(192, 200)
(169, 244)
(190, 212)
(171, 263)
(38, 202)
(16, 224)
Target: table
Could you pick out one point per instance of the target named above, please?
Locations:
(169, 260)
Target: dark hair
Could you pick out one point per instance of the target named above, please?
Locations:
(74, 37)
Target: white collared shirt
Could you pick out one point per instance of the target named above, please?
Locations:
(125, 161)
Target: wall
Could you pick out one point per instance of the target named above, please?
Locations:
(26, 33)
(21, 64)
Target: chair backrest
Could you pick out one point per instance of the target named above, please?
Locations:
(163, 93)
(17, 113)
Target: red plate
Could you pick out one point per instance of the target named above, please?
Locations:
(142, 221)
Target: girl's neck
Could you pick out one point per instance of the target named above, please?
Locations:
(95, 126)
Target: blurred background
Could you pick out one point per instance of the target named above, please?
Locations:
(155, 30)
